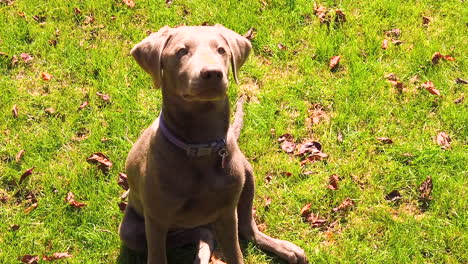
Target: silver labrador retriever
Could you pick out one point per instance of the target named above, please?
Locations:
(186, 171)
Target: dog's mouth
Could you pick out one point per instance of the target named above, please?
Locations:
(214, 93)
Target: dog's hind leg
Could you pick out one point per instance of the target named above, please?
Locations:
(132, 231)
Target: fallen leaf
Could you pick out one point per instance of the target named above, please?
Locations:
(308, 147)
(334, 62)
(385, 140)
(287, 174)
(70, 198)
(14, 110)
(426, 20)
(429, 86)
(250, 34)
(129, 3)
(285, 137)
(56, 256)
(346, 204)
(414, 79)
(83, 105)
(77, 10)
(122, 206)
(30, 208)
(19, 155)
(168, 2)
(340, 17)
(443, 139)
(398, 85)
(436, 57)
(26, 174)
(317, 156)
(45, 76)
(315, 114)
(315, 220)
(334, 179)
(14, 60)
(40, 19)
(50, 111)
(288, 146)
(391, 77)
(14, 227)
(459, 99)
(305, 210)
(461, 81)
(449, 58)
(397, 42)
(262, 227)
(322, 13)
(103, 162)
(281, 46)
(26, 57)
(122, 181)
(30, 259)
(267, 202)
(393, 33)
(53, 42)
(393, 196)
(425, 190)
(104, 97)
(88, 20)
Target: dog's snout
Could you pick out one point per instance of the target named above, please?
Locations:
(211, 72)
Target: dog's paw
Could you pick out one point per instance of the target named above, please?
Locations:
(291, 253)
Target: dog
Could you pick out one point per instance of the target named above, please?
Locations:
(188, 179)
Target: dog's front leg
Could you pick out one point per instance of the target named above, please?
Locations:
(156, 240)
(227, 235)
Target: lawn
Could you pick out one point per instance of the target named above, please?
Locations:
(381, 132)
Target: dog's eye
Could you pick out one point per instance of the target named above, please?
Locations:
(182, 52)
(221, 50)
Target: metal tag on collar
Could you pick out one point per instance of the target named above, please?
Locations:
(223, 153)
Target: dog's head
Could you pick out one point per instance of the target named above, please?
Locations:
(192, 62)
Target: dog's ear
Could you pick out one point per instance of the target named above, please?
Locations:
(148, 53)
(240, 48)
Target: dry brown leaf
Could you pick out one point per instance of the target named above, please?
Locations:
(122, 206)
(443, 139)
(26, 174)
(393, 196)
(45, 76)
(459, 99)
(56, 256)
(70, 198)
(391, 76)
(397, 42)
(285, 137)
(83, 105)
(436, 57)
(14, 227)
(315, 220)
(268, 178)
(103, 162)
(346, 204)
(385, 140)
(340, 17)
(334, 62)
(305, 210)
(30, 259)
(449, 58)
(393, 33)
(267, 202)
(288, 146)
(426, 20)
(26, 57)
(429, 86)
(250, 34)
(425, 190)
(14, 60)
(308, 147)
(77, 10)
(14, 111)
(30, 208)
(129, 3)
(104, 97)
(317, 156)
(333, 185)
(19, 155)
(123, 181)
(461, 81)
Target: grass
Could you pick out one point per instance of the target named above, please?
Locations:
(93, 56)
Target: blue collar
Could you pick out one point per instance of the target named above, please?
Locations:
(193, 150)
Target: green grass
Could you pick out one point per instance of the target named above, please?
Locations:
(360, 104)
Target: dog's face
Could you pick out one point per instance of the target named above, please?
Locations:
(192, 63)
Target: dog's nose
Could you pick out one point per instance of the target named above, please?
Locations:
(211, 72)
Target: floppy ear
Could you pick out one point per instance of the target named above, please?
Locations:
(148, 53)
(240, 48)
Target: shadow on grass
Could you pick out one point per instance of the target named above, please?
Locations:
(182, 255)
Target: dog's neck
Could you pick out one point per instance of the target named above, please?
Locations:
(196, 122)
